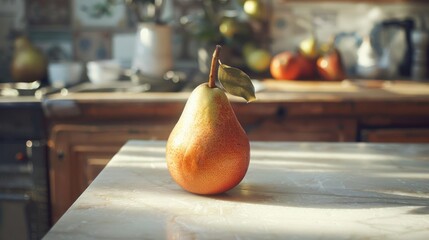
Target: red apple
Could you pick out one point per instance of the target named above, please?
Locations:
(308, 68)
(285, 66)
(292, 66)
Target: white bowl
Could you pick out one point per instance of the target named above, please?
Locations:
(64, 74)
(104, 71)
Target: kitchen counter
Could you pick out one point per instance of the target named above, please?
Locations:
(269, 90)
(300, 98)
(291, 190)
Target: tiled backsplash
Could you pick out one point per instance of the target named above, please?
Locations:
(293, 22)
(78, 30)
(71, 29)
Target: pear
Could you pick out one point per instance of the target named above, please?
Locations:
(308, 47)
(28, 64)
(330, 65)
(208, 151)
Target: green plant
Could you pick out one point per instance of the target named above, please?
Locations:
(229, 23)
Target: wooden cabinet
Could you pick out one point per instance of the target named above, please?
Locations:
(78, 152)
(304, 129)
(398, 135)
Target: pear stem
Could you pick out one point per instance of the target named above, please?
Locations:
(214, 67)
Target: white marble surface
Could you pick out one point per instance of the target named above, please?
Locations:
(291, 191)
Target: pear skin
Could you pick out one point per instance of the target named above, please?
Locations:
(208, 151)
(28, 64)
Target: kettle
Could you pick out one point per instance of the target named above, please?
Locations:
(383, 46)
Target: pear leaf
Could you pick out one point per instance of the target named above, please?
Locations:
(236, 82)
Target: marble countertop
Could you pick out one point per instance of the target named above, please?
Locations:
(291, 191)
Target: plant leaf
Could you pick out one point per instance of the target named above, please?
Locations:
(236, 82)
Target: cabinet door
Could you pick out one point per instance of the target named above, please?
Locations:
(91, 159)
(403, 135)
(78, 153)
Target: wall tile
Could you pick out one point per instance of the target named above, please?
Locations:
(57, 45)
(48, 13)
(92, 45)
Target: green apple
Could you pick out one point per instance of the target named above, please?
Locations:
(258, 60)
(229, 27)
(248, 48)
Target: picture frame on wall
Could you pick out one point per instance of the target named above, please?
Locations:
(99, 14)
(48, 13)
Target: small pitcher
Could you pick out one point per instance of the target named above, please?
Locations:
(153, 55)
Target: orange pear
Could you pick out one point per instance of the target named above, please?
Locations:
(208, 151)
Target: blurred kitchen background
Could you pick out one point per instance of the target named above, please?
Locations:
(384, 40)
(79, 78)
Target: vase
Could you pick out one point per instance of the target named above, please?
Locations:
(153, 52)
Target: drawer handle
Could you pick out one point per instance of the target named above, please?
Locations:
(281, 112)
(60, 155)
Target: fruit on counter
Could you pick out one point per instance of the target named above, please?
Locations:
(208, 151)
(229, 27)
(248, 48)
(308, 48)
(233, 28)
(329, 64)
(257, 59)
(308, 68)
(28, 63)
(289, 65)
(309, 62)
(284, 66)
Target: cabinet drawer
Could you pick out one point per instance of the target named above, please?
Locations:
(304, 129)
(402, 135)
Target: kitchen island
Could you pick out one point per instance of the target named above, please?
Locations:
(291, 191)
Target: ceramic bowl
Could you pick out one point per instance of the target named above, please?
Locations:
(63, 74)
(104, 71)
